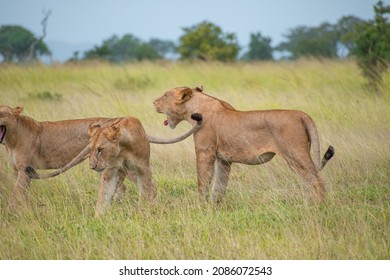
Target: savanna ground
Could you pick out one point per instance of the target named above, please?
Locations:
(266, 215)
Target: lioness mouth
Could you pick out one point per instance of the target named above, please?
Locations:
(3, 131)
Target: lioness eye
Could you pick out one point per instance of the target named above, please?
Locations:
(99, 150)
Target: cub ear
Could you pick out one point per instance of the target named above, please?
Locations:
(184, 95)
(115, 133)
(17, 110)
(92, 128)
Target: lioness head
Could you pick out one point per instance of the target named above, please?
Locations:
(104, 146)
(172, 104)
(8, 120)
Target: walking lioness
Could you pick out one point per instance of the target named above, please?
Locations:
(253, 137)
(120, 149)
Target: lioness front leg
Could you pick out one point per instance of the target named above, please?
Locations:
(108, 185)
(222, 170)
(120, 188)
(205, 171)
(18, 193)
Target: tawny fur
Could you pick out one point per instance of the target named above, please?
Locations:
(120, 149)
(85, 152)
(31, 144)
(253, 137)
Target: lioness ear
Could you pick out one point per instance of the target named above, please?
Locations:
(115, 133)
(92, 128)
(185, 95)
(199, 88)
(17, 110)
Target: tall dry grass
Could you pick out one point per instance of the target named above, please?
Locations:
(265, 215)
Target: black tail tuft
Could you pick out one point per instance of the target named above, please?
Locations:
(329, 153)
(197, 117)
(30, 172)
(199, 88)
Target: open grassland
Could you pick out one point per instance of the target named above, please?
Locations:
(266, 214)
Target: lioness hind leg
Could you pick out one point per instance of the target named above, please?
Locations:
(222, 171)
(147, 188)
(306, 169)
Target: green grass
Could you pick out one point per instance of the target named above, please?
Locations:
(266, 213)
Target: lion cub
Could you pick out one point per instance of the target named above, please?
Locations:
(120, 149)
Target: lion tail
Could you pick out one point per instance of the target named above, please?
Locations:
(30, 171)
(196, 117)
(315, 143)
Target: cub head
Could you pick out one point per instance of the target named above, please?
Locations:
(104, 146)
(172, 104)
(8, 120)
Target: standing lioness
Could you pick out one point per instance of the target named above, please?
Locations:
(40, 145)
(252, 137)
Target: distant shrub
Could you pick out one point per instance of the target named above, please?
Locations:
(45, 95)
(133, 83)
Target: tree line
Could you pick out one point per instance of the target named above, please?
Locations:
(208, 42)
(368, 41)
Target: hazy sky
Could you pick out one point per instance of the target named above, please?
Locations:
(81, 21)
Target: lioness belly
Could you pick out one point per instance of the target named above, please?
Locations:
(247, 157)
(54, 157)
(61, 141)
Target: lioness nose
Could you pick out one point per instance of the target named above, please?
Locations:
(92, 166)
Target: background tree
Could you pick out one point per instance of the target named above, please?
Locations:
(104, 51)
(129, 48)
(164, 48)
(16, 42)
(345, 28)
(305, 41)
(372, 47)
(125, 49)
(207, 41)
(38, 40)
(259, 48)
